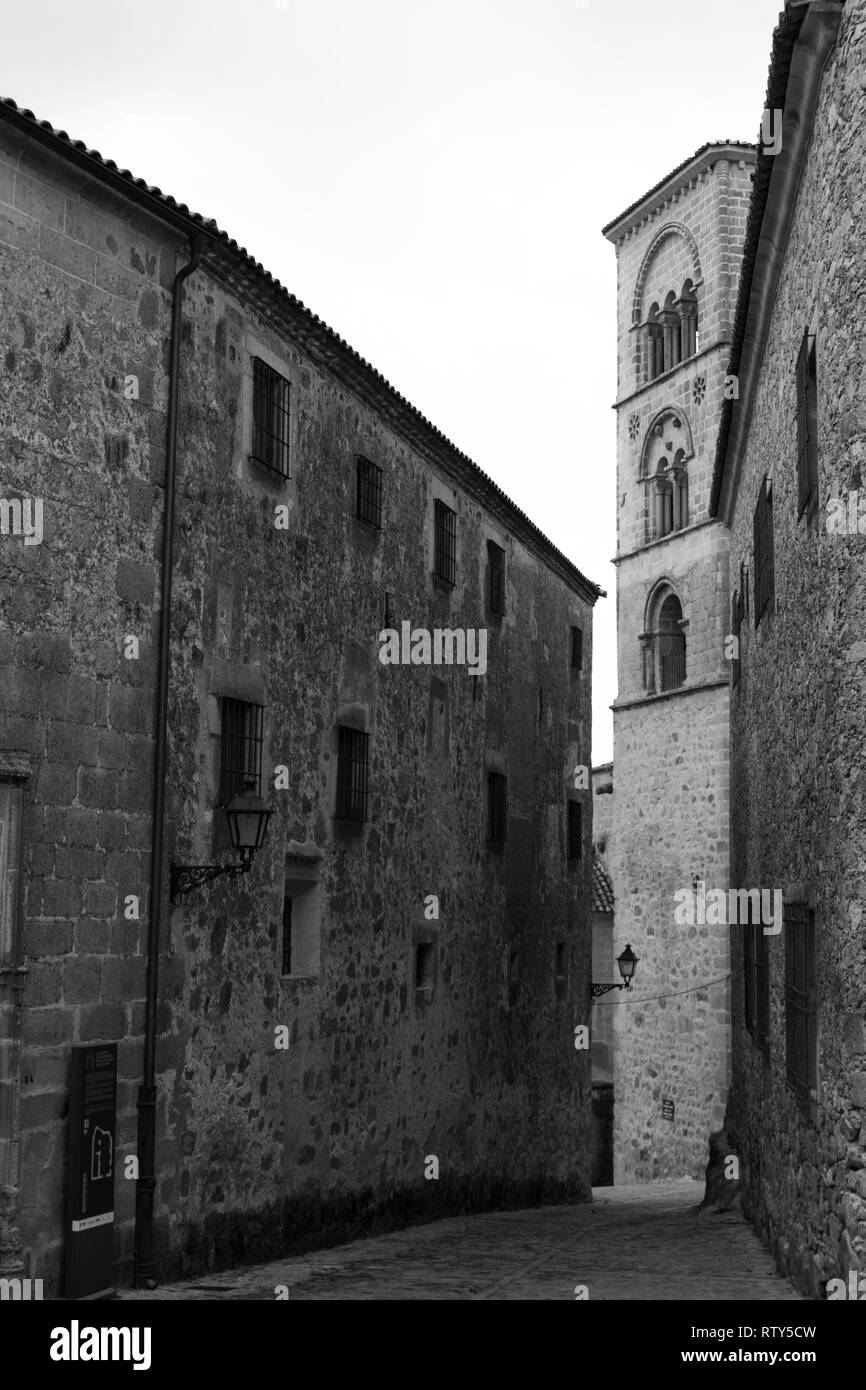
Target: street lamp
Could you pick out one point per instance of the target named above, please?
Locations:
(248, 817)
(626, 962)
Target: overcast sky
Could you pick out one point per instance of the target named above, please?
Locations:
(431, 180)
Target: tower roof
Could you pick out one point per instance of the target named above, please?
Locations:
(677, 179)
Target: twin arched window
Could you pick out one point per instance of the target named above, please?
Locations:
(670, 497)
(670, 334)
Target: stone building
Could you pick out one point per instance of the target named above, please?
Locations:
(678, 253)
(398, 977)
(603, 969)
(788, 484)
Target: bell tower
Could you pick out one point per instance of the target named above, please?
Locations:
(678, 258)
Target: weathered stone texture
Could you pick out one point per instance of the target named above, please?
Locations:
(260, 1149)
(798, 816)
(670, 804)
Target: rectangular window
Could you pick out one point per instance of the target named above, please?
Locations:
(807, 424)
(425, 969)
(736, 616)
(577, 648)
(240, 749)
(756, 961)
(575, 830)
(497, 807)
(352, 774)
(368, 497)
(495, 577)
(749, 976)
(270, 418)
(744, 589)
(763, 531)
(287, 936)
(801, 1005)
(445, 548)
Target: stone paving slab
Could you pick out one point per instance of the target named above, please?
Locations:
(639, 1242)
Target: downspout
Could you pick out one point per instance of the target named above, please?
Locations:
(144, 1272)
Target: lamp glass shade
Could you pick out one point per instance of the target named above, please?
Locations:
(248, 817)
(627, 962)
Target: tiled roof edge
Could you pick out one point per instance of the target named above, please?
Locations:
(698, 154)
(179, 215)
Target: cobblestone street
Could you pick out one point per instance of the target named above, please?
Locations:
(630, 1243)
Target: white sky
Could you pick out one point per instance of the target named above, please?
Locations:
(431, 180)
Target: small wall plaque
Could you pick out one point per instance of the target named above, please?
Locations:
(667, 1109)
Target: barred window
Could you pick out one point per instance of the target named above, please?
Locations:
(577, 648)
(575, 830)
(270, 418)
(756, 962)
(353, 755)
(807, 424)
(369, 492)
(445, 550)
(763, 529)
(495, 577)
(736, 618)
(287, 936)
(240, 749)
(497, 807)
(801, 1004)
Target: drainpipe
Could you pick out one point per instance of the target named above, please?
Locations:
(144, 1274)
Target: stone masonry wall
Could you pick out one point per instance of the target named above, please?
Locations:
(671, 750)
(260, 1149)
(799, 821)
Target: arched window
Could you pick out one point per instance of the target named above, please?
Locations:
(664, 470)
(671, 644)
(663, 643)
(670, 334)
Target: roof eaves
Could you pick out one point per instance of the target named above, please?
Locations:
(338, 354)
(719, 145)
(785, 37)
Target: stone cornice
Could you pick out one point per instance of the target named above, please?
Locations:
(673, 185)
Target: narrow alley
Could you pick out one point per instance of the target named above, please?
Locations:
(641, 1242)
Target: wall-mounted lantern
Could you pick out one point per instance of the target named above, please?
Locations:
(248, 817)
(626, 962)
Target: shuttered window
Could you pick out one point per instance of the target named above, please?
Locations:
(807, 424)
(763, 533)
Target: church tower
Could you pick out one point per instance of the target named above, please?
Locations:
(678, 259)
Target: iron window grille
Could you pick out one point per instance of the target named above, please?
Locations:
(749, 976)
(801, 1011)
(368, 496)
(673, 669)
(353, 754)
(270, 418)
(287, 936)
(763, 532)
(495, 577)
(497, 807)
(756, 960)
(807, 424)
(240, 748)
(445, 548)
(575, 830)
(577, 648)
